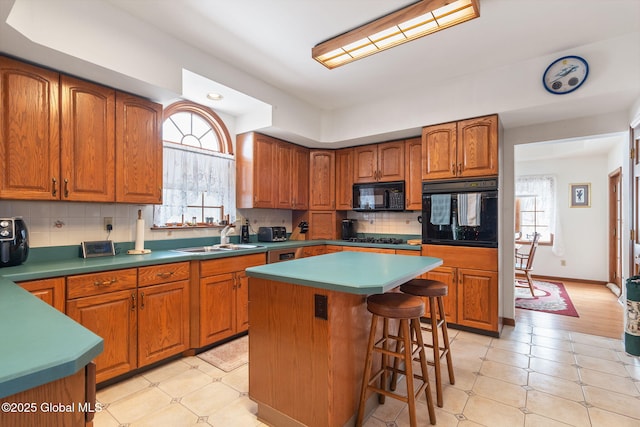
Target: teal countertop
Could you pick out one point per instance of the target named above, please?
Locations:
(362, 273)
(39, 344)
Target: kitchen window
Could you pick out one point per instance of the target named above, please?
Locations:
(198, 167)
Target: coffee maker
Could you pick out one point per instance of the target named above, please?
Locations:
(14, 241)
(349, 229)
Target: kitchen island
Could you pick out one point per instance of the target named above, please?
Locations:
(308, 331)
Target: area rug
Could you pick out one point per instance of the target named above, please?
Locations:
(550, 297)
(228, 356)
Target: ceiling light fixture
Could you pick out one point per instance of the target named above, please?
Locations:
(403, 25)
(214, 96)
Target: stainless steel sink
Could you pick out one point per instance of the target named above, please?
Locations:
(217, 248)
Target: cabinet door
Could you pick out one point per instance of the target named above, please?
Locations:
(217, 308)
(365, 167)
(50, 291)
(163, 321)
(300, 179)
(391, 161)
(138, 150)
(439, 151)
(445, 275)
(478, 146)
(113, 317)
(322, 225)
(283, 173)
(413, 174)
(344, 179)
(322, 180)
(29, 132)
(242, 301)
(478, 299)
(264, 177)
(87, 141)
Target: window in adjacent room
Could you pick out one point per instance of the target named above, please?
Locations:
(198, 166)
(535, 208)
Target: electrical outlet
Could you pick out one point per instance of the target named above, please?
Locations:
(563, 262)
(108, 223)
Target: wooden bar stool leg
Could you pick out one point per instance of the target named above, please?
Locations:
(423, 364)
(396, 362)
(436, 349)
(367, 370)
(445, 336)
(408, 357)
(385, 346)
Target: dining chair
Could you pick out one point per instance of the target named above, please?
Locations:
(524, 263)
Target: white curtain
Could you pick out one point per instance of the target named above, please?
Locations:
(543, 188)
(189, 174)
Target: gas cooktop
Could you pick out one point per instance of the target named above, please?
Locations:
(381, 240)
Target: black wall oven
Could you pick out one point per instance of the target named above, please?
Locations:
(463, 213)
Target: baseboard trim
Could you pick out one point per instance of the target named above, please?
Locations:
(563, 279)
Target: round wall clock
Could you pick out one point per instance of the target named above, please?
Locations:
(565, 75)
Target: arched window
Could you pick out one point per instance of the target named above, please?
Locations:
(198, 167)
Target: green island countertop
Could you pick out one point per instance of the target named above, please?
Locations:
(362, 273)
(39, 344)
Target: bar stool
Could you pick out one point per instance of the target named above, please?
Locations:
(435, 291)
(408, 310)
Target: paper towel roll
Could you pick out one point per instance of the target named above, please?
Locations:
(139, 235)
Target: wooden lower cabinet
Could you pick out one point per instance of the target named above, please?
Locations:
(308, 251)
(78, 389)
(142, 314)
(112, 316)
(163, 311)
(472, 276)
(224, 297)
(50, 291)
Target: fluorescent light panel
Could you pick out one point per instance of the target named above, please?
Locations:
(412, 22)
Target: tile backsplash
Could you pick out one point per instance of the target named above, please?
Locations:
(69, 223)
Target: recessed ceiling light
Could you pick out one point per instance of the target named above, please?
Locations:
(214, 96)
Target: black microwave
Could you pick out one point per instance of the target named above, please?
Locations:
(379, 196)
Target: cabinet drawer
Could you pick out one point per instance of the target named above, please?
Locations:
(230, 264)
(84, 285)
(464, 256)
(164, 273)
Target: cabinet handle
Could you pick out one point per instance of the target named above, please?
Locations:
(66, 188)
(166, 274)
(160, 192)
(142, 301)
(133, 301)
(105, 283)
(54, 190)
(453, 168)
(459, 168)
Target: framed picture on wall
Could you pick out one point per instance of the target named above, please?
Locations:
(580, 195)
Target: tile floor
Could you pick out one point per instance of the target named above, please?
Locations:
(529, 377)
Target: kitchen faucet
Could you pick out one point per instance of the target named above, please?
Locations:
(224, 238)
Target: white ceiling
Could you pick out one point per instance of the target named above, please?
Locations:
(504, 52)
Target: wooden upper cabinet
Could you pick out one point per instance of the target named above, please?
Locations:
(439, 151)
(138, 150)
(87, 167)
(300, 178)
(271, 173)
(468, 148)
(29, 132)
(284, 163)
(413, 173)
(478, 146)
(344, 179)
(322, 180)
(379, 162)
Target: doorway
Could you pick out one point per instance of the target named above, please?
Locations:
(615, 228)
